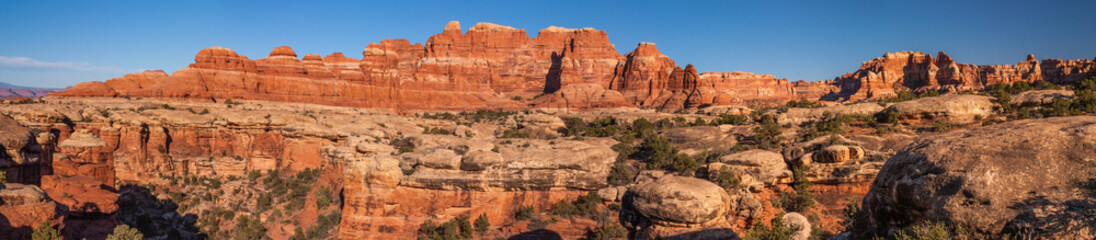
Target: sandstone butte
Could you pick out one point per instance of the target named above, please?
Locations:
(499, 67)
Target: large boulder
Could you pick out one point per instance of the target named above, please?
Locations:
(1032, 179)
(956, 108)
(23, 207)
(763, 165)
(1038, 97)
(798, 223)
(674, 207)
(685, 201)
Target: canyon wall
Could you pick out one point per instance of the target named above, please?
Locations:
(488, 67)
(884, 76)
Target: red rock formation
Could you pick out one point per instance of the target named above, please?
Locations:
(452, 71)
(475, 69)
(882, 77)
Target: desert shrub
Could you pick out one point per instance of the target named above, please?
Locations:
(1084, 95)
(403, 145)
(606, 230)
(777, 231)
(1044, 85)
(929, 93)
(523, 213)
(584, 206)
(435, 131)
(3, 177)
(482, 224)
(456, 228)
(830, 124)
(657, 153)
(574, 126)
(621, 175)
(851, 216)
(124, 232)
(803, 103)
(924, 231)
(767, 135)
(514, 133)
(45, 231)
(254, 175)
(802, 199)
(732, 119)
(941, 126)
(726, 178)
(324, 197)
(324, 225)
(249, 228)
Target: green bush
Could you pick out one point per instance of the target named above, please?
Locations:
(585, 206)
(929, 93)
(802, 199)
(830, 124)
(606, 230)
(324, 197)
(803, 103)
(249, 228)
(456, 228)
(124, 232)
(732, 119)
(777, 231)
(767, 135)
(482, 224)
(621, 175)
(726, 178)
(45, 231)
(3, 177)
(525, 212)
(924, 231)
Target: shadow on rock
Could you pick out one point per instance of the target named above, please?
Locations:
(542, 234)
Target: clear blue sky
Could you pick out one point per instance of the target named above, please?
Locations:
(57, 44)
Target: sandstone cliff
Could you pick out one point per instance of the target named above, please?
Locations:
(488, 67)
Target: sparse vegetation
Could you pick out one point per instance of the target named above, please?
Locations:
(802, 199)
(584, 206)
(456, 228)
(523, 213)
(125, 232)
(768, 134)
(726, 178)
(45, 231)
(776, 230)
(482, 224)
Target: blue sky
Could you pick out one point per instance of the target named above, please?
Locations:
(60, 43)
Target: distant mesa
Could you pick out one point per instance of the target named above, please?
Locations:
(494, 66)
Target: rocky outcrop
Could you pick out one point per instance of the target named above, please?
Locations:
(478, 69)
(797, 116)
(765, 166)
(953, 108)
(1028, 179)
(660, 206)
(1040, 97)
(461, 175)
(882, 77)
(24, 207)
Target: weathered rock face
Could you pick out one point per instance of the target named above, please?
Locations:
(578, 68)
(955, 108)
(673, 207)
(1030, 179)
(881, 77)
(22, 208)
(1039, 97)
(762, 165)
(23, 153)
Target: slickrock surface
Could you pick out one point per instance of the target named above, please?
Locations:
(954, 108)
(1028, 178)
(22, 208)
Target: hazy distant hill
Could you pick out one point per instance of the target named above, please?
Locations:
(8, 90)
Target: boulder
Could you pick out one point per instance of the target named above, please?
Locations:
(1030, 179)
(954, 108)
(1039, 97)
(680, 201)
(798, 223)
(763, 165)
